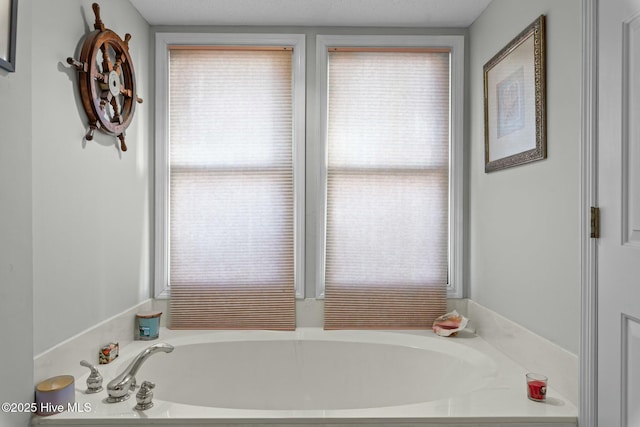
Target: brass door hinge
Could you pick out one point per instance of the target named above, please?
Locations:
(595, 223)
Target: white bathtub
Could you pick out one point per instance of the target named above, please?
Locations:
(316, 377)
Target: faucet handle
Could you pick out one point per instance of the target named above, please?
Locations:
(144, 396)
(94, 381)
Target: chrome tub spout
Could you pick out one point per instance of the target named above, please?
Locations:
(120, 387)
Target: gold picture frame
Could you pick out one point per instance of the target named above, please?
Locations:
(515, 101)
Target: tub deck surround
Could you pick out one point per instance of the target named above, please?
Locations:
(530, 350)
(65, 357)
(477, 384)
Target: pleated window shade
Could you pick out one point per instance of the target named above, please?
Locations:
(386, 259)
(231, 209)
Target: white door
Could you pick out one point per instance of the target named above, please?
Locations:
(619, 201)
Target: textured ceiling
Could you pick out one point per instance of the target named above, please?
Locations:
(358, 13)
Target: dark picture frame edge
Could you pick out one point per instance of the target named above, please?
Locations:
(9, 63)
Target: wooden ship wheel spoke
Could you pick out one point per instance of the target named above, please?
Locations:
(106, 80)
(105, 58)
(116, 111)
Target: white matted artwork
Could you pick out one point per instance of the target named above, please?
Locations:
(514, 101)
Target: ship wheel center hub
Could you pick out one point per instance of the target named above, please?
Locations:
(114, 83)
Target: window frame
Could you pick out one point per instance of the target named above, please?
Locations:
(163, 42)
(456, 161)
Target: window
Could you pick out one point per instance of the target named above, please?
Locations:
(229, 167)
(391, 127)
(342, 173)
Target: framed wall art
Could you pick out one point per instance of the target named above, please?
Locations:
(515, 101)
(8, 24)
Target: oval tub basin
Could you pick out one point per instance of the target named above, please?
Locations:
(299, 374)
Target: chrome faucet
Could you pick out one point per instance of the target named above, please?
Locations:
(120, 386)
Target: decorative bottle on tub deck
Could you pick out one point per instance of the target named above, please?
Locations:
(148, 325)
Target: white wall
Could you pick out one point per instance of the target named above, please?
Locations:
(16, 253)
(91, 202)
(524, 221)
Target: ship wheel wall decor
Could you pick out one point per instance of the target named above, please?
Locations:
(106, 80)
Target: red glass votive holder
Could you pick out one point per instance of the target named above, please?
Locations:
(537, 387)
